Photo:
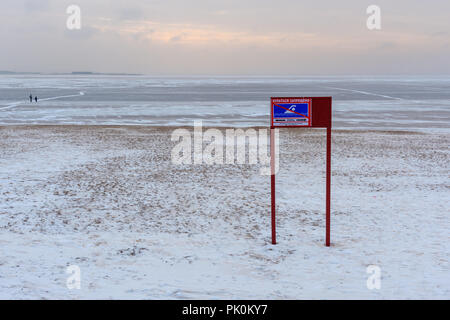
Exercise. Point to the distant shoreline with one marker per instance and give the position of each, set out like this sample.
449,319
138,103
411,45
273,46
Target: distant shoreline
74,73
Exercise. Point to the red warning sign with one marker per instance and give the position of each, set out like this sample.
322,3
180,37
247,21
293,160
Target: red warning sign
295,112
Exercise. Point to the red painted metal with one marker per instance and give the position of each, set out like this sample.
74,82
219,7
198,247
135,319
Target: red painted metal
328,205
321,117
274,223
272,184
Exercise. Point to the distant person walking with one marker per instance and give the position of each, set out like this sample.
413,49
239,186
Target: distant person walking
31,98
35,99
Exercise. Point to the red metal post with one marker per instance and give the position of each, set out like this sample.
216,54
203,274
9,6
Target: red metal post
272,183
328,204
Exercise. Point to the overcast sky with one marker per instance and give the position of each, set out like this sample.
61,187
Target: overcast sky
215,37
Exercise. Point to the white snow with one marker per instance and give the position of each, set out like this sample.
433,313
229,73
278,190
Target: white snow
109,200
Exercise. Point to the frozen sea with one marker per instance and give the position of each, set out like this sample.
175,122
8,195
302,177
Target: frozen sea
401,103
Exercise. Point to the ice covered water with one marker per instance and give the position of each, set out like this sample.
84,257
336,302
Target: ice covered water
359,102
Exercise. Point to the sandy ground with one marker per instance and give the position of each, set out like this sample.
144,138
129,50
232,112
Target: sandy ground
110,201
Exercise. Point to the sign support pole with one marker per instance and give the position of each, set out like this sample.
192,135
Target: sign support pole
272,183
328,204
296,112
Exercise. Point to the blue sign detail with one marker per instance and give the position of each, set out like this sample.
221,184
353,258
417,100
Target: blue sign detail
301,110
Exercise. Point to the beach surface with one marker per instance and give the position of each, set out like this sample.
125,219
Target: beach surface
109,200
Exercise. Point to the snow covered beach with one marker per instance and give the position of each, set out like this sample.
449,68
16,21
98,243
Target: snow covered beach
109,200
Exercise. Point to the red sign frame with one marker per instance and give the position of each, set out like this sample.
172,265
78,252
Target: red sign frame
319,116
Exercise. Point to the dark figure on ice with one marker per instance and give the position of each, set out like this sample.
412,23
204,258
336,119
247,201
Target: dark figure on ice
31,98
35,99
